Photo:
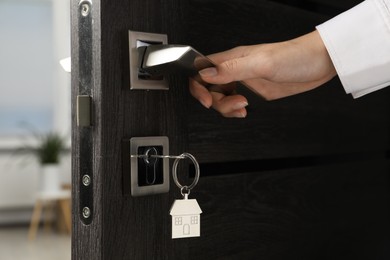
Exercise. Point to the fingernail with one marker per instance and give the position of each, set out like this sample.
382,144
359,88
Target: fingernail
204,103
240,115
209,72
240,105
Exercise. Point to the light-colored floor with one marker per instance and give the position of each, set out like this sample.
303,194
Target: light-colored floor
14,245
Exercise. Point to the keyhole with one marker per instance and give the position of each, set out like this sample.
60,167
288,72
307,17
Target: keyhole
149,159
150,170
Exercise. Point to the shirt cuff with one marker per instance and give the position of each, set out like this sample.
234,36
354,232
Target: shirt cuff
358,42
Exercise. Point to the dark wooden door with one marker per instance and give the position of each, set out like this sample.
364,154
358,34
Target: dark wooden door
304,177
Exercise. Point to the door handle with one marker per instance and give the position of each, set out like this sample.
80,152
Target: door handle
167,59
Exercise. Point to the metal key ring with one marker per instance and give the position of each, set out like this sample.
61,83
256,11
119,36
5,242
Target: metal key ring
197,171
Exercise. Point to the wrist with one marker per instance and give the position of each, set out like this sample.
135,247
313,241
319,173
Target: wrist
315,56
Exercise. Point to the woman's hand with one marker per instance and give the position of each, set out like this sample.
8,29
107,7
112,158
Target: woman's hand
273,71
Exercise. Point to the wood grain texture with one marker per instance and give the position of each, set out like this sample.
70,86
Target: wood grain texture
124,227
334,212
330,212
328,7
302,213
340,4
137,228
323,121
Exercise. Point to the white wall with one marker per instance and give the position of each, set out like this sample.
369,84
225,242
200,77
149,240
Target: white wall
19,184
34,36
20,178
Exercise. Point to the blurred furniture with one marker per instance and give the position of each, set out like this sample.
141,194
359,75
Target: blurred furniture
46,201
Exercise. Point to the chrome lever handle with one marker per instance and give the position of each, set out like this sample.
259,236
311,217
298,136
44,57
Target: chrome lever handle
167,59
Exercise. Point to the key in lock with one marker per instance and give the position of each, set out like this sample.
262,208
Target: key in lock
150,169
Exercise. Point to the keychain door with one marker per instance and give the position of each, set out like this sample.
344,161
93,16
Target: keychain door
300,178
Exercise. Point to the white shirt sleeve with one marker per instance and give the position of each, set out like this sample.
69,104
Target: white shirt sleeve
358,42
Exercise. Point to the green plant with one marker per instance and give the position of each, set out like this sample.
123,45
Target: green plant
49,148
46,148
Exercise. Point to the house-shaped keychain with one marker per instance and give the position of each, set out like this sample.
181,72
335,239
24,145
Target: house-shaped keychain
185,218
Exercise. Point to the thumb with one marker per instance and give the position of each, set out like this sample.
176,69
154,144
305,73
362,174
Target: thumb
231,70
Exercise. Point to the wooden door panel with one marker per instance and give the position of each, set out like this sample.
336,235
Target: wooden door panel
217,25
323,121
125,227
331,212
318,123
344,4
328,7
295,179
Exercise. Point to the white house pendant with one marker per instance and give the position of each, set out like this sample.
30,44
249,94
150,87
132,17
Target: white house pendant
185,218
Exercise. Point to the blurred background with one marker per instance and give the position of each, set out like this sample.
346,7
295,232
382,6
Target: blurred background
34,126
